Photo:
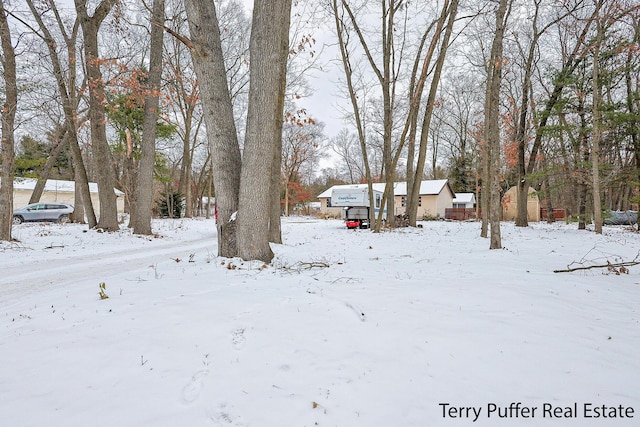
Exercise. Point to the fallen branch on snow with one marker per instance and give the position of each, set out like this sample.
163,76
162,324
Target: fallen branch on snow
52,246
617,268
313,264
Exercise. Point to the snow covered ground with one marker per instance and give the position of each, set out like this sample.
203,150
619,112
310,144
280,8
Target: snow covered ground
415,327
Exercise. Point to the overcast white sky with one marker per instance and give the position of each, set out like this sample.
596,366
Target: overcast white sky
323,104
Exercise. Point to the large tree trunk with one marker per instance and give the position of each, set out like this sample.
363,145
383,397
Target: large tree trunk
206,51
8,122
268,49
108,219
144,197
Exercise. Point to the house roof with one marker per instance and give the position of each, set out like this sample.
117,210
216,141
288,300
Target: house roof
465,198
427,187
54,185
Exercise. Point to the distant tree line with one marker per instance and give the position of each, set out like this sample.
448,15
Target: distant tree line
183,100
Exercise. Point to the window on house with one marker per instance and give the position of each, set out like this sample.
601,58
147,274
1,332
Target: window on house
378,200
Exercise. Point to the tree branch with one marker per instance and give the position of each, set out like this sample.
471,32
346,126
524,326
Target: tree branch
184,40
610,266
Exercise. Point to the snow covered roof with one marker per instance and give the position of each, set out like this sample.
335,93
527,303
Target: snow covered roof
427,187
465,198
54,185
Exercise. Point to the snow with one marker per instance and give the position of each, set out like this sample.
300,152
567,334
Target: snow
344,328
427,187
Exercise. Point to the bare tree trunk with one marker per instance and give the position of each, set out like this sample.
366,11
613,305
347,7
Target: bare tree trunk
581,156
43,176
69,106
426,122
492,122
597,132
79,209
108,219
485,193
209,191
275,211
8,123
411,126
206,51
144,197
269,49
185,176
286,197
82,181
549,205
387,82
348,71
522,193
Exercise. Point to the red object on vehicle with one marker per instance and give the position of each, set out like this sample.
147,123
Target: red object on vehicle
353,223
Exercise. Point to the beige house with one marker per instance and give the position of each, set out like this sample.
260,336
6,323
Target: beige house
57,191
510,205
435,197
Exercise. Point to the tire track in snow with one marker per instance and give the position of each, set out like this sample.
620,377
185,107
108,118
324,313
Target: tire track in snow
24,279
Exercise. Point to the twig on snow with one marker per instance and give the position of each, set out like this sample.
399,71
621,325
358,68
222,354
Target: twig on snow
616,267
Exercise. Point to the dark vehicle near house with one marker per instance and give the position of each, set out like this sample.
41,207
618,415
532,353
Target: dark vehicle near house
56,212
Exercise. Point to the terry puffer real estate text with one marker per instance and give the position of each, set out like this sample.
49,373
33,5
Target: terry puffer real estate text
546,410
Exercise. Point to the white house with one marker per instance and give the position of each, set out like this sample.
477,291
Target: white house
57,191
435,197
464,201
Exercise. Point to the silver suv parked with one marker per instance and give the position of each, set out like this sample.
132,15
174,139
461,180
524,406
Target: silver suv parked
43,212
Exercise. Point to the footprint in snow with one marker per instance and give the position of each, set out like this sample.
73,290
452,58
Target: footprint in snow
237,338
224,417
192,390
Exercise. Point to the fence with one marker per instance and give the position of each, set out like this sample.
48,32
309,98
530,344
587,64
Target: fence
557,214
463,214
460,214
